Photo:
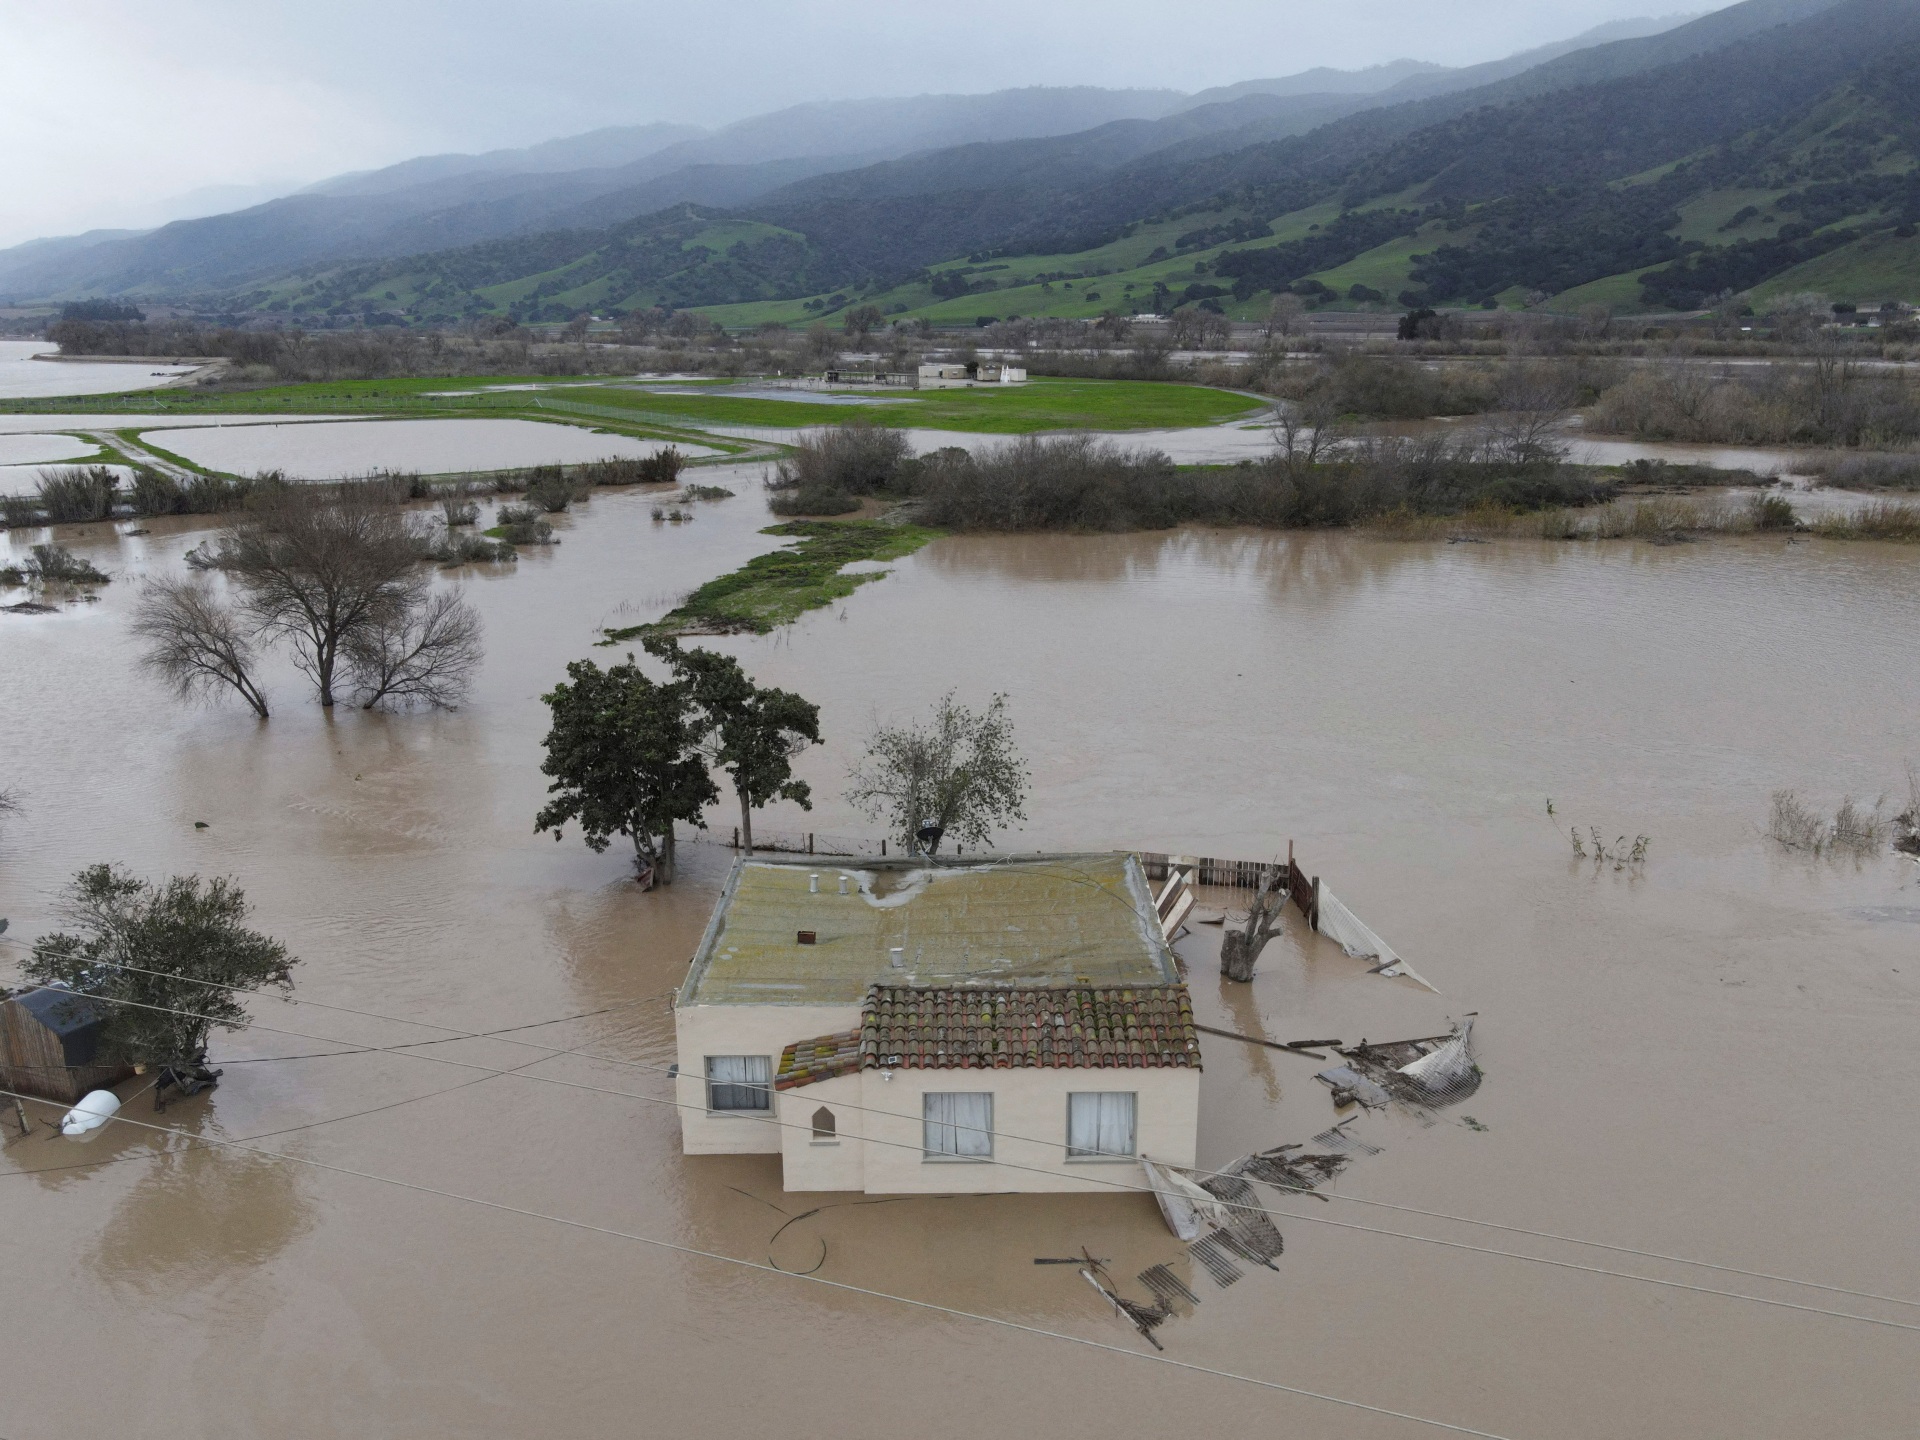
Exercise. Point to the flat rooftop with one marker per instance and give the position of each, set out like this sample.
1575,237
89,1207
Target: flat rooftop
1029,921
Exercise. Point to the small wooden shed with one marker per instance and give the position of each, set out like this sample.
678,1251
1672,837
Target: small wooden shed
48,1040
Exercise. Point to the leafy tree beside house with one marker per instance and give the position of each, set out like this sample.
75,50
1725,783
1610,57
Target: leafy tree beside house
751,732
622,754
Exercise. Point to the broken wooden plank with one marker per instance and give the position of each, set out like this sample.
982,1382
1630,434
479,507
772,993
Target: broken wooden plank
1297,1047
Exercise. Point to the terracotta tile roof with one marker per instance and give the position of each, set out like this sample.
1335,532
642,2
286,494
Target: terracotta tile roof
806,1061
981,1028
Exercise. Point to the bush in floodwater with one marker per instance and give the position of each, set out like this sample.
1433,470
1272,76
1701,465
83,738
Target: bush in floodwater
78,495
1882,520
549,489
1796,825
706,492
1772,512
1869,472
662,468
454,549
522,525
52,563
19,511
458,510
828,472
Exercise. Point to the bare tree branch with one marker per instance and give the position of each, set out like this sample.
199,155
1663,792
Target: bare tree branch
194,643
319,565
423,654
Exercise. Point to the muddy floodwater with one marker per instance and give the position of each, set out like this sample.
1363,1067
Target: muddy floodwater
309,451
1710,1057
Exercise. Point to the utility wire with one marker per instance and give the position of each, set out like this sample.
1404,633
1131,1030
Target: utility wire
454,1034
1110,1184
840,1285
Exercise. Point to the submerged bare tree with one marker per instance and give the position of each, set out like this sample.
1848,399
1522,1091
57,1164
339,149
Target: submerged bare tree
1240,949
955,774
195,643
320,566
418,654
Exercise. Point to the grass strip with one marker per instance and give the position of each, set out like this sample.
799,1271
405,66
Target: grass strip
774,589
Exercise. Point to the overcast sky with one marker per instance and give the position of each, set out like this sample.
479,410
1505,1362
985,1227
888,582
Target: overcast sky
111,110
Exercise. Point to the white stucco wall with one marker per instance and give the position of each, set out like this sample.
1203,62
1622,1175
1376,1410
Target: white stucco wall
810,1164
879,1131
704,1030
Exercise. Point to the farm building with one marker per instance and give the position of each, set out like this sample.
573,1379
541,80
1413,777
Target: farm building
48,1040
952,375
911,1026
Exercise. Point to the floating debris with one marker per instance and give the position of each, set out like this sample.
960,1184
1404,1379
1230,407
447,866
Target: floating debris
1436,1070
1338,1141
1167,1286
1185,1206
1249,1232
1305,1171
1349,1085
1215,1262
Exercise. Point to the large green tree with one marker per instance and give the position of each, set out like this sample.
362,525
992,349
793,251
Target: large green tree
169,959
622,754
750,731
955,774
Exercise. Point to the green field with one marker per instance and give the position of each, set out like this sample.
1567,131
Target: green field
1041,405
773,589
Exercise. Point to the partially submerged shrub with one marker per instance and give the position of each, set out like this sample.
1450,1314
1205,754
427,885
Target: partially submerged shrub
456,509
1869,472
1881,520
1772,512
1854,828
830,470
75,496
549,489
454,549
522,525
51,564
706,492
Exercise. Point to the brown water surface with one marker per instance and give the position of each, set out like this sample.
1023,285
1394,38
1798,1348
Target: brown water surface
1712,1057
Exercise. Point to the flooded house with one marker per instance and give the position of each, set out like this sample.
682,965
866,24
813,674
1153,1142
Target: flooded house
911,1026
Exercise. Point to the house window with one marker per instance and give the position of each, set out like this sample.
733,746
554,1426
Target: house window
739,1082
958,1125
823,1124
1100,1125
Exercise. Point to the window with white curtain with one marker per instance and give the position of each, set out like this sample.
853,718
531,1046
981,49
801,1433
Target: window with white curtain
1100,1125
959,1125
739,1082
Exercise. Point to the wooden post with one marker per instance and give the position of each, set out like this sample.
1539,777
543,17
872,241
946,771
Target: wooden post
20,1114
809,842
736,837
1314,919
883,849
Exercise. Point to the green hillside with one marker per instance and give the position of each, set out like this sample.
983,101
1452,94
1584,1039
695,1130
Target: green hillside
1787,158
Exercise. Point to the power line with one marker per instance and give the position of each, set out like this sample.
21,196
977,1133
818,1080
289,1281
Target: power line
456,1034
812,1279
1111,1184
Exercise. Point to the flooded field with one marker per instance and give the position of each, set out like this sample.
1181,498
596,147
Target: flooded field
308,451
23,378
1704,1058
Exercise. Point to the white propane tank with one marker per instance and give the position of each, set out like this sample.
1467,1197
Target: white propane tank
96,1107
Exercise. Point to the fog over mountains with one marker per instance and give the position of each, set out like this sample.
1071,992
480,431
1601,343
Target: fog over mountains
1669,163
609,175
